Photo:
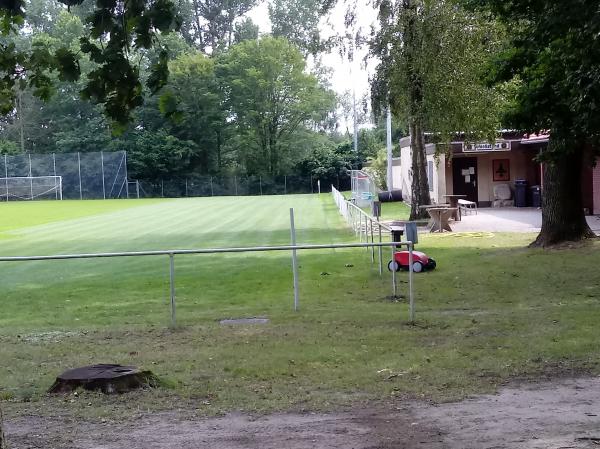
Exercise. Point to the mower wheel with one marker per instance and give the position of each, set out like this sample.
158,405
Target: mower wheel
393,266
417,267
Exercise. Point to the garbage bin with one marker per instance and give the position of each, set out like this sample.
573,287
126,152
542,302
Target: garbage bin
376,209
410,228
393,195
520,193
397,228
536,196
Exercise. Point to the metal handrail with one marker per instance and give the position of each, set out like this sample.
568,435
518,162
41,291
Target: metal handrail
293,248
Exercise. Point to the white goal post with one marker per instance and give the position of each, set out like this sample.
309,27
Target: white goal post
20,188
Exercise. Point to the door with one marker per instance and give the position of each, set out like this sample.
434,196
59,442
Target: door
464,177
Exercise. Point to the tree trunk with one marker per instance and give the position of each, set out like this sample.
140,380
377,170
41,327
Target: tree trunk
419,185
412,44
563,218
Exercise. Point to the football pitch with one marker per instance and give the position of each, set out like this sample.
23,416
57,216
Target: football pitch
133,290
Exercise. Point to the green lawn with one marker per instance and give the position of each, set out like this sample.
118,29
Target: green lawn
492,311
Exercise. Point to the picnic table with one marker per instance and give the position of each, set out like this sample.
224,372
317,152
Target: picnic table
454,204
439,217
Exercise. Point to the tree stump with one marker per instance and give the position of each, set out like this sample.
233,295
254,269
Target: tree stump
104,377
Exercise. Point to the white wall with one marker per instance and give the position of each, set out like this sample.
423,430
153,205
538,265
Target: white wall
439,173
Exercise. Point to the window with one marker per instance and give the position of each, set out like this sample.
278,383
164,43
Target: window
430,175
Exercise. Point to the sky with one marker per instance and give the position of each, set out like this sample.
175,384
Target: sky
346,75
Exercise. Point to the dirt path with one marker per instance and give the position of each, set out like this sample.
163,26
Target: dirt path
560,415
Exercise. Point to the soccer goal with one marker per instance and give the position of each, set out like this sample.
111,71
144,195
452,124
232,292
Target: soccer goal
31,188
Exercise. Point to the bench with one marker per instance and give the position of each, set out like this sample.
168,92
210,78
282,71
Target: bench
466,205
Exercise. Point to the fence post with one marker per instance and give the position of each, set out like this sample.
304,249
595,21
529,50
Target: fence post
162,188
372,241
186,187
394,287
285,184
260,184
294,260
410,283
380,250
102,164
79,170
172,285
211,187
235,185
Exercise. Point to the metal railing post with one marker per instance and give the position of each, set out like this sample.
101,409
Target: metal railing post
380,251
294,247
411,298
372,241
394,285
294,260
172,286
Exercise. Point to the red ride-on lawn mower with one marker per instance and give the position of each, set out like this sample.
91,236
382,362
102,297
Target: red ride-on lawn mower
421,262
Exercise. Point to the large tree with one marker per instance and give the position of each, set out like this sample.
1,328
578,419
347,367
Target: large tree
432,53
270,96
196,102
554,61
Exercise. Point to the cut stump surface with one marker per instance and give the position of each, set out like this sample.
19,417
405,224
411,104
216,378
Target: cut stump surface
107,378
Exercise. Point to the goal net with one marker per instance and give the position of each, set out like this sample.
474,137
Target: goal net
364,190
31,188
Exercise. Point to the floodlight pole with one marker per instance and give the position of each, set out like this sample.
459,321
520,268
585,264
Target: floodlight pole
294,260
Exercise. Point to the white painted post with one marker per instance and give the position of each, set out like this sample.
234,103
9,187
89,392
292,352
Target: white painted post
294,260
319,185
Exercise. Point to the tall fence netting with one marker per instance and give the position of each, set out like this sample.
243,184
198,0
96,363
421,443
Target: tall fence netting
98,175
103,175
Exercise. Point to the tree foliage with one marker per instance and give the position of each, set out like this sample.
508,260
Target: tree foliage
270,96
432,54
114,31
553,61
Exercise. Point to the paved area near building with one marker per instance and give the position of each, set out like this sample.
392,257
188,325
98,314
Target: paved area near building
509,219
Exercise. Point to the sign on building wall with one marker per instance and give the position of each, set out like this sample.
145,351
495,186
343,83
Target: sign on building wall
499,145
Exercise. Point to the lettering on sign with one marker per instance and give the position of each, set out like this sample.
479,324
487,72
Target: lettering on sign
499,145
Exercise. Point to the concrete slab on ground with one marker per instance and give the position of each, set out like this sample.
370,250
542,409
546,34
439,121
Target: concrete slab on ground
509,219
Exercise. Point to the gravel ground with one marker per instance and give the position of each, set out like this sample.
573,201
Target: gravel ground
558,414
